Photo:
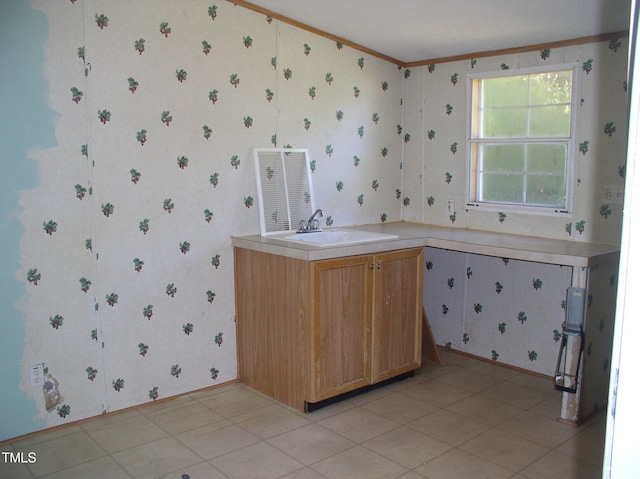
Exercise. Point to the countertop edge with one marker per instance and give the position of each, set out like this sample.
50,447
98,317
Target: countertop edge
411,235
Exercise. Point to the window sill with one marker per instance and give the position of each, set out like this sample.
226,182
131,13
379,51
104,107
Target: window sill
524,210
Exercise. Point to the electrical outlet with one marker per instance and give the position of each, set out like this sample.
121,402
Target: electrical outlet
451,207
36,375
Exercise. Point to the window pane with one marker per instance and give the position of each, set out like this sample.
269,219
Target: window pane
502,158
503,188
505,91
547,158
551,88
550,121
523,173
504,123
546,190
521,131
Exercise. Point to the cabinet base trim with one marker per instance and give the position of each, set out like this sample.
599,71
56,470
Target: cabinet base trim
314,406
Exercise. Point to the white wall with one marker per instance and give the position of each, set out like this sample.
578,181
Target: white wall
620,461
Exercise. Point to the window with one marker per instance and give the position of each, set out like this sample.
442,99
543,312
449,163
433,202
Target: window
520,141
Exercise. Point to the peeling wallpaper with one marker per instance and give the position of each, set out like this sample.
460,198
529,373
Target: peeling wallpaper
23,124
126,256
125,253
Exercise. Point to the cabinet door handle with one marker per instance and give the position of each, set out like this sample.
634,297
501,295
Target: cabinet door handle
374,266
379,266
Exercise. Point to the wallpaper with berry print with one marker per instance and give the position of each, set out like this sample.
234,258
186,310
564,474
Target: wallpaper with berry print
507,310
435,116
512,312
149,117
125,258
345,107
601,300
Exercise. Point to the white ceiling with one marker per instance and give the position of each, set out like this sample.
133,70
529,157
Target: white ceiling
416,30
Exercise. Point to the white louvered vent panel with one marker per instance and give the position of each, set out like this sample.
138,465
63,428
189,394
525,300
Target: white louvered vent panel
285,192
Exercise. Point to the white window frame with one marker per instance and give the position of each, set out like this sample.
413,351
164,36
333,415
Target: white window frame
473,183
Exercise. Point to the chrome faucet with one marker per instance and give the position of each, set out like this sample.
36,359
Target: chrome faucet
312,224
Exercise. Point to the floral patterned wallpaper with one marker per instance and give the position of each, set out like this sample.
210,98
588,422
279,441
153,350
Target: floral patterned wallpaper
512,312
506,310
126,257
435,159
499,309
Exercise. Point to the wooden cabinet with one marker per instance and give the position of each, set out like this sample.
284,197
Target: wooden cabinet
312,330
397,315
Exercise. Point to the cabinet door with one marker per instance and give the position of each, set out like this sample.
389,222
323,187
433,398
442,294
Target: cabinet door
397,313
341,326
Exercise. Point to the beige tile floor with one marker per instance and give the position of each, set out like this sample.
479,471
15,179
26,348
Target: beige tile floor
464,420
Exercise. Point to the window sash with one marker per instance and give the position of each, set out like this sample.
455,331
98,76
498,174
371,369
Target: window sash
537,183
525,182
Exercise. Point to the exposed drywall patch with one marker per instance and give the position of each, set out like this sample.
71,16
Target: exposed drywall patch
52,396
26,122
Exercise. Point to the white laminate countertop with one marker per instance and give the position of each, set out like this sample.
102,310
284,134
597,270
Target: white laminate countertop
411,235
